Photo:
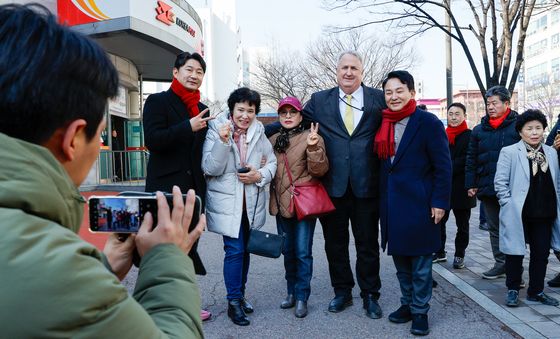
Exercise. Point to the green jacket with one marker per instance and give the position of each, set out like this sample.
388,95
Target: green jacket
55,285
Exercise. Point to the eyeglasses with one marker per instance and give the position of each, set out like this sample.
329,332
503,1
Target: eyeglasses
292,112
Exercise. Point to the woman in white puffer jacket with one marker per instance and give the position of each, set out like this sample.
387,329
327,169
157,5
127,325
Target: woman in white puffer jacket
238,162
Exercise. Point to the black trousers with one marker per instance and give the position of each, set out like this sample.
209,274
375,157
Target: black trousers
462,217
364,216
537,235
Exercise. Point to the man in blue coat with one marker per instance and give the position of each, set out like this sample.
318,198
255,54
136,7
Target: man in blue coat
415,178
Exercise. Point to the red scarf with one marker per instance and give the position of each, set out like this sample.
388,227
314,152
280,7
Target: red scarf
496,122
384,142
453,132
189,98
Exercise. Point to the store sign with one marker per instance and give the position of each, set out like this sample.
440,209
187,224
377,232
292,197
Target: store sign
165,15
76,12
173,19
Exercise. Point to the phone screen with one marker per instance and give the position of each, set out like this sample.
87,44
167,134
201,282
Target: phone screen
118,214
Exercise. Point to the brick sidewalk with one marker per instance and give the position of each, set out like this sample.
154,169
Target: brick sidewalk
545,320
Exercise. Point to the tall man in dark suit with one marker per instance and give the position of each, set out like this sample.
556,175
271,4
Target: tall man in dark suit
348,116
175,125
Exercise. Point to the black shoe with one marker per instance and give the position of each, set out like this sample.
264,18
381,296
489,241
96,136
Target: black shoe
340,302
236,314
554,282
512,298
289,302
420,324
458,263
543,299
301,309
495,273
373,310
439,257
246,306
434,283
401,316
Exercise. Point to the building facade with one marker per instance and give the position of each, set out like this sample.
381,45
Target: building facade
539,82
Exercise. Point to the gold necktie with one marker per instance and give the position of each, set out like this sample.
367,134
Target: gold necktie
349,115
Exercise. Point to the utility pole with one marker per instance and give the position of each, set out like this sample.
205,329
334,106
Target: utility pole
448,54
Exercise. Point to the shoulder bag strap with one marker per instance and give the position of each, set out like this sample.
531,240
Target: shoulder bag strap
288,169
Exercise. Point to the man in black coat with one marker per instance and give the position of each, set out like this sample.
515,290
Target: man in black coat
495,131
175,125
349,116
458,135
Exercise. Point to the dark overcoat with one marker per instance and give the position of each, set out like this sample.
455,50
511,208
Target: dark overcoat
418,179
175,150
483,152
459,196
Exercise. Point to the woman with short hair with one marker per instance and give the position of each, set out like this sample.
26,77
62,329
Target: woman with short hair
527,186
233,151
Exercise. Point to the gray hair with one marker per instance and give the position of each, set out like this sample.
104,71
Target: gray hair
500,91
350,52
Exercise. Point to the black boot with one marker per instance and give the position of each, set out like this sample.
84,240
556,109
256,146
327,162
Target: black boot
247,306
301,309
289,302
236,314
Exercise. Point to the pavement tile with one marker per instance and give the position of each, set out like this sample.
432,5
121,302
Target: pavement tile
526,314
556,319
546,328
546,310
486,285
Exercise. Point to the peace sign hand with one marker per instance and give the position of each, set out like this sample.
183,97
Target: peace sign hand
198,122
313,137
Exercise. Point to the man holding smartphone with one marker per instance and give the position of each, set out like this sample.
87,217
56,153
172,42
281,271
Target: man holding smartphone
53,93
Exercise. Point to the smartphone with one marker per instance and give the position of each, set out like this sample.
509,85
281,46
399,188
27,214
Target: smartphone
124,214
244,170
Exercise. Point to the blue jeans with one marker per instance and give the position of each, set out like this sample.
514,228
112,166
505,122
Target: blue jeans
236,261
415,279
298,260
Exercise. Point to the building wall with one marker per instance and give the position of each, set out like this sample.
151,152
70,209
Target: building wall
222,51
540,81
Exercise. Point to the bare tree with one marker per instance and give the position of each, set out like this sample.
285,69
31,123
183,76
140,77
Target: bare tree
278,76
543,97
379,58
215,106
500,27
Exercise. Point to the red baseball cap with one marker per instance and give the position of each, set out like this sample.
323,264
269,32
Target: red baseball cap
294,102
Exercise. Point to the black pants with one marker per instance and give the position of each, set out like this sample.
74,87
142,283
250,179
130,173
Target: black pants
462,217
537,235
364,216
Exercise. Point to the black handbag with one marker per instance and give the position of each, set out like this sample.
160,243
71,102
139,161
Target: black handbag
265,244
